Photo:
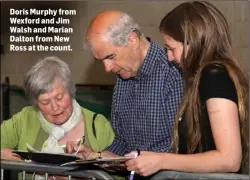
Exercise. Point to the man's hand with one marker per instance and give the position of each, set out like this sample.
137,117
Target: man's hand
6,154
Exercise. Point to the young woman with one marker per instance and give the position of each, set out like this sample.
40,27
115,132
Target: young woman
211,129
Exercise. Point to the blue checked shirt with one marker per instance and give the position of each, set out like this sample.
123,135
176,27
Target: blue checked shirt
144,108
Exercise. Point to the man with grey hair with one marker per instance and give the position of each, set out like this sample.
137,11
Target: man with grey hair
148,87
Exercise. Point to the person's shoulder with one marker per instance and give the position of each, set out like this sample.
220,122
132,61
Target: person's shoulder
173,70
98,119
28,110
87,112
214,66
215,75
214,69
90,114
26,114
215,81
157,49
165,63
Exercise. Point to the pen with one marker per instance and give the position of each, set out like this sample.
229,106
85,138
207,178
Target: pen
132,173
79,141
79,144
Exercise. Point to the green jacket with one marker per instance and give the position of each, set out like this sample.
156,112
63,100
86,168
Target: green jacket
24,127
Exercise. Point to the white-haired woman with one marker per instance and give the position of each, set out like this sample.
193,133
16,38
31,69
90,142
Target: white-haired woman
55,118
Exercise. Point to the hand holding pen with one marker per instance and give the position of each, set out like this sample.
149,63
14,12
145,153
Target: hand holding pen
73,147
147,163
80,149
80,144
132,173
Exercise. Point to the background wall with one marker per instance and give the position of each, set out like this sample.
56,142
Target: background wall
147,13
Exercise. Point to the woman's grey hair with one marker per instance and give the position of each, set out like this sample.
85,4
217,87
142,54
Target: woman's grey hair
118,33
41,77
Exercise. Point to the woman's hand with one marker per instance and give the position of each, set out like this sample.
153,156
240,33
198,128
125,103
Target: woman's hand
80,150
6,154
145,164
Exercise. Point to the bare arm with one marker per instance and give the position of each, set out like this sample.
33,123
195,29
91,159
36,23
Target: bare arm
223,116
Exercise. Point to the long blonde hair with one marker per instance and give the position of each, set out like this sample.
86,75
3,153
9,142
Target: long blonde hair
202,27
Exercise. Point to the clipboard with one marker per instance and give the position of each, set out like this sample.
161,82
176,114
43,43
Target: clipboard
43,157
108,161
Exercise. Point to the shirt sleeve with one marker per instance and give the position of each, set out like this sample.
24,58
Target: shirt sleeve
215,82
118,146
10,131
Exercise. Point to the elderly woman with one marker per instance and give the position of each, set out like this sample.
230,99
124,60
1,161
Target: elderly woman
55,118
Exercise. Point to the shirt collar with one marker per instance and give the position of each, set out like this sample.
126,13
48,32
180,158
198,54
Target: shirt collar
149,60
